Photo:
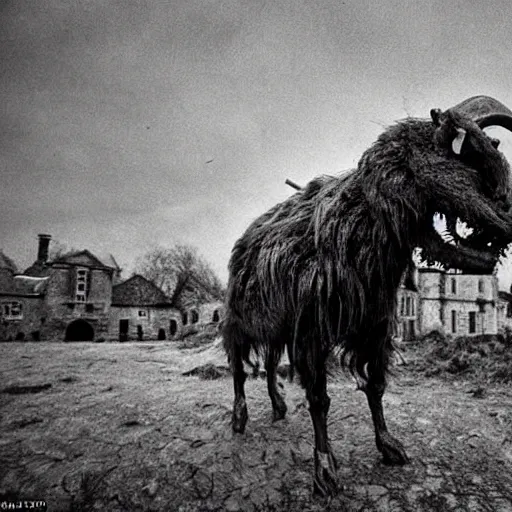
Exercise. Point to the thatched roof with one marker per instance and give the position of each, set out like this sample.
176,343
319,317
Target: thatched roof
138,291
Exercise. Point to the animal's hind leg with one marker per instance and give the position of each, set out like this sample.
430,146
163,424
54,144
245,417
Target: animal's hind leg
325,482
391,449
239,418
278,404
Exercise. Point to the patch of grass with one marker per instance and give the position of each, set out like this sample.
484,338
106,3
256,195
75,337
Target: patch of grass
483,358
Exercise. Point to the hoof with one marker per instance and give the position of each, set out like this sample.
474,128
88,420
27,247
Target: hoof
239,418
325,482
392,451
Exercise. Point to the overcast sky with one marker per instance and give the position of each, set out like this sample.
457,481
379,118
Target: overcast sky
128,124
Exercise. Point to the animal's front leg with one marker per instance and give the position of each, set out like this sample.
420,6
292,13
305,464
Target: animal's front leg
391,449
325,482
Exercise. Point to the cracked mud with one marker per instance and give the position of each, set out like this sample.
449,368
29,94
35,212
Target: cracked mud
115,431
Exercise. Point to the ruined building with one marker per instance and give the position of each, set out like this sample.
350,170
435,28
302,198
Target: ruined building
78,297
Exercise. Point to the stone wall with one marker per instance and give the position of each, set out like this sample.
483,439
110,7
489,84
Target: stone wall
62,309
203,316
150,319
29,326
448,295
407,313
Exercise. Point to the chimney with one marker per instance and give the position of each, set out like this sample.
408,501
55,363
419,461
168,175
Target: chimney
42,250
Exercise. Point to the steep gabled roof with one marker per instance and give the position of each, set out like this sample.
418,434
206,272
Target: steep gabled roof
6,262
138,291
87,258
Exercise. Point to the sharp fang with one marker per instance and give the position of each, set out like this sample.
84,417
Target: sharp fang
462,229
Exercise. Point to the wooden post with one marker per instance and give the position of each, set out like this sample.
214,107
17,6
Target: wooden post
293,184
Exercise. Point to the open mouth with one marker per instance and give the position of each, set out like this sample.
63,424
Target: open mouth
462,240
476,249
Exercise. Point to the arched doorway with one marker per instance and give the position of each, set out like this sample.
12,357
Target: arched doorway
79,330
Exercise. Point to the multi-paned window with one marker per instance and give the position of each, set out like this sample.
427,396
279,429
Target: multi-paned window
81,284
12,310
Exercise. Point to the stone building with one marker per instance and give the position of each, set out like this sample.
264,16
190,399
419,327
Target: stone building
203,314
77,297
451,302
458,304
141,311
68,298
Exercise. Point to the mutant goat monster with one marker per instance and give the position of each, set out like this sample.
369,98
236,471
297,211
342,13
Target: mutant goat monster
319,272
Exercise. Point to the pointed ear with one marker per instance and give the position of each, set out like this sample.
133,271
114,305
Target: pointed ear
435,114
458,141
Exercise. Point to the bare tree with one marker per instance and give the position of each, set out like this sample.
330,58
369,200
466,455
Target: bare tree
181,273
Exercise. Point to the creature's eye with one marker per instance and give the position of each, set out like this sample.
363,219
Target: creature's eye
458,141
495,143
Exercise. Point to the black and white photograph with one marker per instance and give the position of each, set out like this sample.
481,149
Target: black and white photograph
255,256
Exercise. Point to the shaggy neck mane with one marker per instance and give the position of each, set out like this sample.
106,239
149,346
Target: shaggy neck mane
365,233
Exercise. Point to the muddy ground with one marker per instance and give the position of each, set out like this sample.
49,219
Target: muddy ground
117,427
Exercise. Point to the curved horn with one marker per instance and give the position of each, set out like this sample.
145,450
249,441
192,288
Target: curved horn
485,111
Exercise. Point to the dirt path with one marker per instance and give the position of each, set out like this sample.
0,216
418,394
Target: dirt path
117,427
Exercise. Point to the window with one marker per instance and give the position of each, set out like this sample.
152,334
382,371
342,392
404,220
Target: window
402,306
408,306
215,317
81,284
413,307
185,318
142,313
12,310
441,315
454,286
480,286
454,321
509,310
472,321
194,316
